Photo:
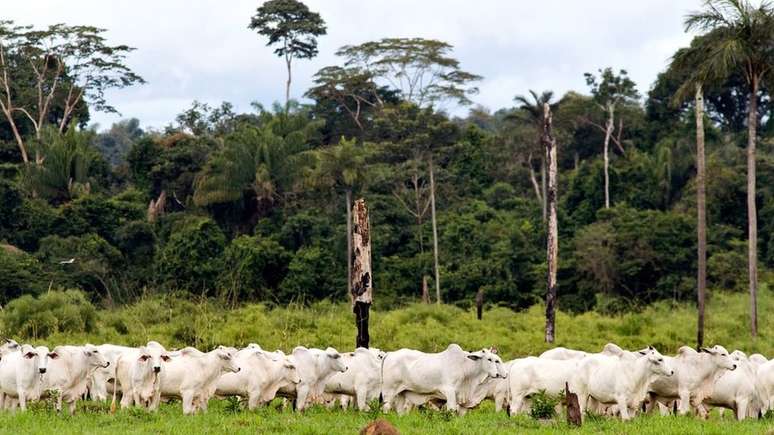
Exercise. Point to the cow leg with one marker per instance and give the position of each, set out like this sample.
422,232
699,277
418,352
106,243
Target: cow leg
188,399
302,394
22,400
623,408
71,406
741,409
516,404
451,399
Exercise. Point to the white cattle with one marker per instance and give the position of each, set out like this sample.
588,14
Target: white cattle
262,374
695,374
9,345
137,376
619,381
363,377
69,370
737,390
20,375
496,389
757,360
411,377
315,367
192,375
530,375
99,381
562,353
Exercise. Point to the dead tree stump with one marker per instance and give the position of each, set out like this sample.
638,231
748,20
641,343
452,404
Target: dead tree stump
361,277
573,407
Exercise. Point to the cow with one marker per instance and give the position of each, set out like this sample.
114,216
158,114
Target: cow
562,353
9,345
527,376
69,370
314,367
757,360
765,381
496,389
737,390
191,375
101,378
362,380
695,374
262,374
412,377
620,381
20,375
137,376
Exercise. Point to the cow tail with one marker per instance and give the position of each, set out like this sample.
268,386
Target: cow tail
381,379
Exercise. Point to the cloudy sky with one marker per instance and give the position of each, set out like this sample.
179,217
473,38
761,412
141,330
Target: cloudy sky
202,49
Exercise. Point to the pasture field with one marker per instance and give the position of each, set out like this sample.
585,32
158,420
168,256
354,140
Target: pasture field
223,419
178,322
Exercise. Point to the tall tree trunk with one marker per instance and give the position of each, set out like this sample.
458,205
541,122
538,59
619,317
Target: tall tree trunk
287,86
752,213
435,231
608,134
701,224
552,242
349,241
480,303
533,179
361,277
544,188
425,291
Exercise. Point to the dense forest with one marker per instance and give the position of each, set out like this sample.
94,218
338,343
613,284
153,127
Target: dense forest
253,207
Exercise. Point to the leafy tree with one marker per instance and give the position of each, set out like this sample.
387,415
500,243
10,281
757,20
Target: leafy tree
741,41
291,24
22,274
609,92
65,65
253,268
421,70
60,311
311,276
116,142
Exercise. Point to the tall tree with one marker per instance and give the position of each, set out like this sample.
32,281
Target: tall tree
743,36
532,112
552,240
59,67
342,168
294,27
421,70
610,91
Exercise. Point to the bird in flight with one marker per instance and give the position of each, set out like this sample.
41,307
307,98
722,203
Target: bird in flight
70,261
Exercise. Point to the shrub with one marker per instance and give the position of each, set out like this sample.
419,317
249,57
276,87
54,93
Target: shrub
66,311
543,405
727,270
311,276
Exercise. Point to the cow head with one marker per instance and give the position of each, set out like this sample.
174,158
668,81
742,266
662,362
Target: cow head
226,357
334,360
43,357
32,358
152,358
489,362
719,355
656,362
94,357
290,372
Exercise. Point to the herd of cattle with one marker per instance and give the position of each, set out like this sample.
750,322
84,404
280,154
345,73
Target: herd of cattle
612,382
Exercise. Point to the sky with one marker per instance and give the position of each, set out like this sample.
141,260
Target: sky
202,49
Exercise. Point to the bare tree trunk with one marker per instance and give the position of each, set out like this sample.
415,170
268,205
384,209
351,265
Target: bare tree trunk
480,303
608,133
361,277
349,241
435,232
425,291
552,243
287,85
701,224
544,188
752,213
533,179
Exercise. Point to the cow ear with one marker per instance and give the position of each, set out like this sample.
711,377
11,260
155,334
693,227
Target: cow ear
53,355
165,357
651,347
144,357
474,357
29,355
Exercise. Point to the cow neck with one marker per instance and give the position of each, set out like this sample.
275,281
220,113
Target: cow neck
642,376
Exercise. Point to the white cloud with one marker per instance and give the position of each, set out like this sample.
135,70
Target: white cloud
202,49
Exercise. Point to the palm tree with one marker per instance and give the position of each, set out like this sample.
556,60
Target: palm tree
342,168
742,38
531,111
256,165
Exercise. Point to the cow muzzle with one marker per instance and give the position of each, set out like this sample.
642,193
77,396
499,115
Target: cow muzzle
156,369
42,370
733,367
107,364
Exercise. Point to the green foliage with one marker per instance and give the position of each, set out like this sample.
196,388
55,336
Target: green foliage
191,258
543,405
291,24
311,276
21,272
253,267
64,312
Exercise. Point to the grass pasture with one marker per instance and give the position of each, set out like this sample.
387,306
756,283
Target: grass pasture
430,328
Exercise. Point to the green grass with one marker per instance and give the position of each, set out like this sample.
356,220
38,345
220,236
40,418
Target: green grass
177,322
96,419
